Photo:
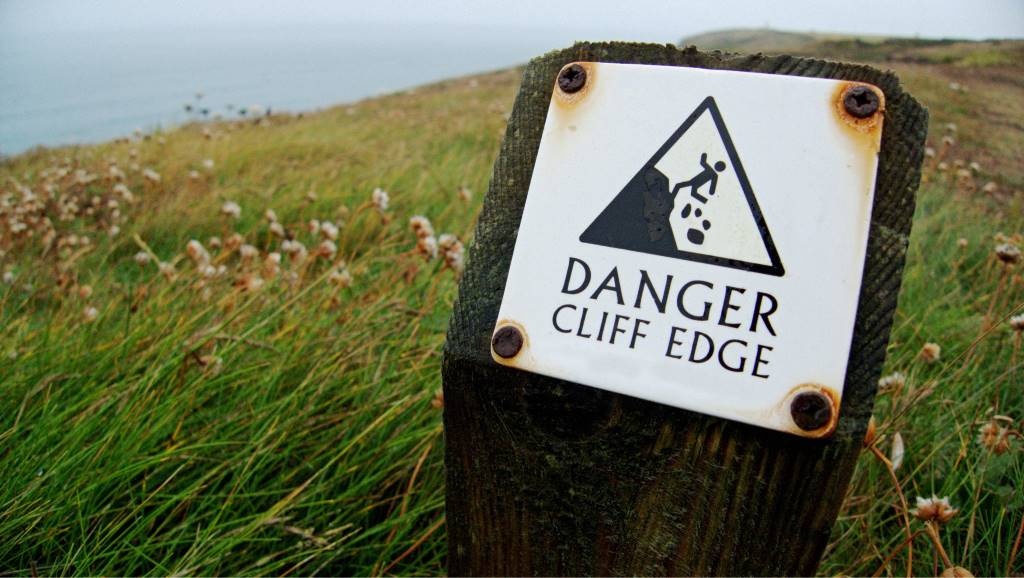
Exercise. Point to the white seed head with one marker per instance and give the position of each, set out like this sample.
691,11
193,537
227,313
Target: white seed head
231,209
142,258
380,199
933,509
329,230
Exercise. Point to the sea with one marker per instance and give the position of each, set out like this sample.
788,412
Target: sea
73,86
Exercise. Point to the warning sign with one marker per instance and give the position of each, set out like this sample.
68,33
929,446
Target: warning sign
691,200
682,245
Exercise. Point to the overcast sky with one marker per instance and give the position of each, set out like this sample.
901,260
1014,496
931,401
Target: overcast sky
652,20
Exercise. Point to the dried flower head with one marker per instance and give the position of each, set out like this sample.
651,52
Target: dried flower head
9,277
277,229
249,282
427,246
214,242
380,199
465,194
231,209
340,277
151,176
994,437
314,227
208,164
327,249
248,252
270,215
90,314
1017,323
1008,253
929,152
956,572
990,187
942,166
329,230
892,383
85,291
142,258
234,241
948,140
897,451
930,352
452,250
421,226
197,252
167,270
961,243
934,509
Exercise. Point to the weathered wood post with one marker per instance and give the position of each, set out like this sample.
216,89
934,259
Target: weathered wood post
550,477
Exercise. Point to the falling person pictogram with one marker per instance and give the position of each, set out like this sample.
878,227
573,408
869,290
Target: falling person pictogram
709,176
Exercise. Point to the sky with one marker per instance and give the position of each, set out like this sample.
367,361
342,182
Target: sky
657,21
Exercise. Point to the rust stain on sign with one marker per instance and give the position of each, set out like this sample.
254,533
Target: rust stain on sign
867,128
566,99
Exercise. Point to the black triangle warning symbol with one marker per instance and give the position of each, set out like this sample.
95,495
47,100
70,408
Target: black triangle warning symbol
691,201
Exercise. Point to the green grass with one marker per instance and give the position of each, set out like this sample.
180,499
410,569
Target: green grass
196,427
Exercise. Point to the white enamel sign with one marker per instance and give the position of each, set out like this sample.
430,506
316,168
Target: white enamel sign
695,238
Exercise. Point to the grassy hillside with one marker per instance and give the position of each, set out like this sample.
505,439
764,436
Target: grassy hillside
267,402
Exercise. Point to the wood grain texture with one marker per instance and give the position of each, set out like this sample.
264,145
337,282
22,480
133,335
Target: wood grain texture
548,477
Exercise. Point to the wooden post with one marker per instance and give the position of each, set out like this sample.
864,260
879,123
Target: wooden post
548,477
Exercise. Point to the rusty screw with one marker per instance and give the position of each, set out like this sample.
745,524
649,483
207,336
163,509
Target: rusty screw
572,78
860,101
507,341
811,410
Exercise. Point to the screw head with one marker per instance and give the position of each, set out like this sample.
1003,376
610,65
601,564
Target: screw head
507,341
860,101
572,78
811,410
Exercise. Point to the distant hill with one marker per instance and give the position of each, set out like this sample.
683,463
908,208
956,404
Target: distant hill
862,48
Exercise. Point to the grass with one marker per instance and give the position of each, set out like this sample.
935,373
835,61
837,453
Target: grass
288,422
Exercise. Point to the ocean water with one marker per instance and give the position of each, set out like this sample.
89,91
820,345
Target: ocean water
81,86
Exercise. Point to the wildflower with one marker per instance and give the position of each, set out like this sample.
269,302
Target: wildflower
90,314
421,226
961,242
329,230
892,383
929,152
167,270
142,258
115,173
197,252
974,166
427,246
85,291
380,199
214,242
994,437
327,249
452,250
465,194
249,282
990,187
963,174
113,231
942,166
234,241
122,191
208,164
9,277
209,271
231,209
948,141
950,127
271,265
270,216
277,229
151,175
934,509
340,277
248,252
314,227
1008,253
1017,323
930,352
